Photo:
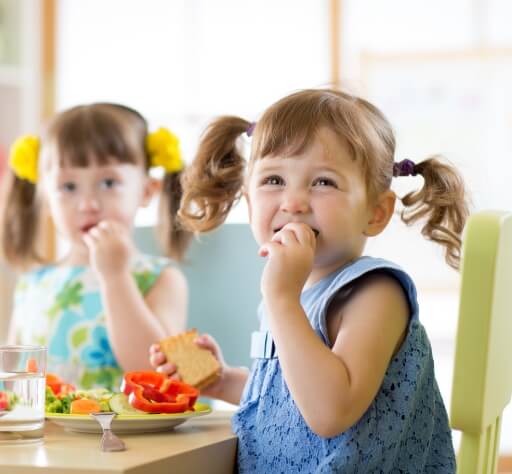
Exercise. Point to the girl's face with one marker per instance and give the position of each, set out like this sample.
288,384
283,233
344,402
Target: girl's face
80,197
322,187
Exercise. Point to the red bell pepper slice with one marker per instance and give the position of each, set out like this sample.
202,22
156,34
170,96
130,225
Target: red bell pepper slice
150,379
154,392
175,388
137,400
4,401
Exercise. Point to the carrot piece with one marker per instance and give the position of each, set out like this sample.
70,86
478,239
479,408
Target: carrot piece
32,365
52,379
84,406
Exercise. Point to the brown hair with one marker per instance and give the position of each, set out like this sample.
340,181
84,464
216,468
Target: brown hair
102,132
213,183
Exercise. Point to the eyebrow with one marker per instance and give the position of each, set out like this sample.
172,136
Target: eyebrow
271,167
101,170
108,170
330,169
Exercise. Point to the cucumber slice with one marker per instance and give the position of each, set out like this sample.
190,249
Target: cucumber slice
120,404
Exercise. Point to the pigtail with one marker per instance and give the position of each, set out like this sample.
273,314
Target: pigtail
442,201
172,236
19,218
213,182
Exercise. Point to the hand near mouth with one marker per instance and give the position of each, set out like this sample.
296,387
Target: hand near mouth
110,248
290,255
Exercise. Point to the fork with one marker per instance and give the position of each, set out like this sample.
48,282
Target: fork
109,441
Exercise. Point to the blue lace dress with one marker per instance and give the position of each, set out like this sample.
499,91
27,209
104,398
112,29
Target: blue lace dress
61,308
405,429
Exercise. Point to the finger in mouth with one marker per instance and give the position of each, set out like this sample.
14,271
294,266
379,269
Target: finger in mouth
315,231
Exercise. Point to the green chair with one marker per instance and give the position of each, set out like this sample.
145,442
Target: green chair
482,379
223,271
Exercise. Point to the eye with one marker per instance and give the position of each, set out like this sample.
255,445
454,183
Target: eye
273,180
325,182
68,187
108,183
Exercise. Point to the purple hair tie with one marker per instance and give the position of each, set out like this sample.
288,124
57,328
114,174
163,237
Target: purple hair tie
250,129
404,168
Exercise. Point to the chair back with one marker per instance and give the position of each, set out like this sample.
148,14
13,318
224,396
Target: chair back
482,379
223,272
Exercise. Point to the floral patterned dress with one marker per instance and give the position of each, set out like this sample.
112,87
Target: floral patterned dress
61,308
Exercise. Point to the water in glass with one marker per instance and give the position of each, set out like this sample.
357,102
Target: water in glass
22,393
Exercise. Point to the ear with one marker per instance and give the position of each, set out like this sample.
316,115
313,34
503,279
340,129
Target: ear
380,213
153,186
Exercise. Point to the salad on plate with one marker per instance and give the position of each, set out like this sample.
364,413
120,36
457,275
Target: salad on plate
142,393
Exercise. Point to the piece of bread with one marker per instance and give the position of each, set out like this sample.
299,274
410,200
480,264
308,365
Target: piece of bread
195,365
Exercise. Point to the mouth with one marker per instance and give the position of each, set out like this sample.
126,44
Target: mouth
315,231
87,227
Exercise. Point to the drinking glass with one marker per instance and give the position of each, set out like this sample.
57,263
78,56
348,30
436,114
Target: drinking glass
22,393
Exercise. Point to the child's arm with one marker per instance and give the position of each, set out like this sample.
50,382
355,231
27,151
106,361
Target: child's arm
133,323
332,387
168,300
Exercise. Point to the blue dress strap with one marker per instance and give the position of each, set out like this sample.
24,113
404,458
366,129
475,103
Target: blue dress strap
262,345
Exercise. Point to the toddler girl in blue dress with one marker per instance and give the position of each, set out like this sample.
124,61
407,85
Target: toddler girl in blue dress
102,303
343,378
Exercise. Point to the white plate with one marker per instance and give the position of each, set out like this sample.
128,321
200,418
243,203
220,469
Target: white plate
128,423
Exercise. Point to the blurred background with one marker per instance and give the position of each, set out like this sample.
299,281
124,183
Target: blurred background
441,72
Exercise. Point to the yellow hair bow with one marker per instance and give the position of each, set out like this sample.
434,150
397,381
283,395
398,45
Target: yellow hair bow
164,150
23,158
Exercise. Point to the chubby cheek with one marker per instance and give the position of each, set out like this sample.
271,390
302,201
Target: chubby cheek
64,223
120,210
253,217
124,216
260,219
258,229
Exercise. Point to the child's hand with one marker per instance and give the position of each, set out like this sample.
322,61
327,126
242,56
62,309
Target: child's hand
290,255
159,362
110,248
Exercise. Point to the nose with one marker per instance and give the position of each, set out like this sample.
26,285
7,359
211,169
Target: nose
89,203
295,202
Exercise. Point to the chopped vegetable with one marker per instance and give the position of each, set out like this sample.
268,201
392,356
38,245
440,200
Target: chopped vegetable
8,400
120,404
154,392
95,393
84,406
58,405
61,395
32,365
4,402
144,392
58,386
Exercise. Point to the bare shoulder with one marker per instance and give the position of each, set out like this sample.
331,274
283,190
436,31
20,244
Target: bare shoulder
172,277
377,299
170,286
380,284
